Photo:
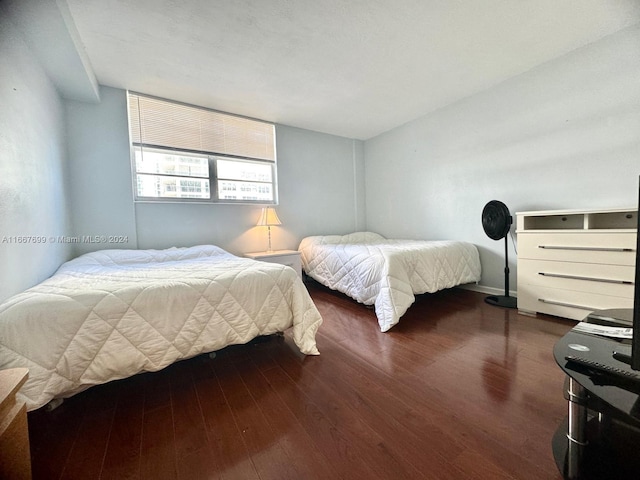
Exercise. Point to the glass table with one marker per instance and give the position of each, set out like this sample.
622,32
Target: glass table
600,438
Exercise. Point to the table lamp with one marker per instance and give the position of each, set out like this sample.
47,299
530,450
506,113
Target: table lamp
267,218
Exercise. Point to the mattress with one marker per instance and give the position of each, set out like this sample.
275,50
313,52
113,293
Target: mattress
114,313
388,273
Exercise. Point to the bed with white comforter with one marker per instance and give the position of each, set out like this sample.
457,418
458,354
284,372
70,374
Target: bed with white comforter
114,313
388,273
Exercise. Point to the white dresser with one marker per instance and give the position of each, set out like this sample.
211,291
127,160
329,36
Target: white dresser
571,262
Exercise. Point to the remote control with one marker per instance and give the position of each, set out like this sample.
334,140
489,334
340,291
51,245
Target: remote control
619,372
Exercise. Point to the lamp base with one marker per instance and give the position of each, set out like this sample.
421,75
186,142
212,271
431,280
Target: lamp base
269,249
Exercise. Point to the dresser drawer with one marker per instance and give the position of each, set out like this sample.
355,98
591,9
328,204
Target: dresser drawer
290,258
292,261
588,247
616,280
566,303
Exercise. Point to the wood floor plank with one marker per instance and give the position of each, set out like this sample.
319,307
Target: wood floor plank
331,442
157,390
158,451
227,448
192,450
267,453
122,457
87,454
51,436
298,444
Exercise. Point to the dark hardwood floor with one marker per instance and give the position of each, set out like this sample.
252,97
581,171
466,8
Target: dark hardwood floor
457,390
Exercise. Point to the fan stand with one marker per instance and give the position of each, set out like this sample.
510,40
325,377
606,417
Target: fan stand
504,300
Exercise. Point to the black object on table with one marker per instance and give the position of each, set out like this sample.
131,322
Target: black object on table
600,437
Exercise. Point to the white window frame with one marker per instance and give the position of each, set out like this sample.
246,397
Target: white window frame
213,158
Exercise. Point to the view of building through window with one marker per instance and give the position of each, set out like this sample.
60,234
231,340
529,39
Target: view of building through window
244,180
157,169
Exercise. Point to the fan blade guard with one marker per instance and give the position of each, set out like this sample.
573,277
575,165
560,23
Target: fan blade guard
496,220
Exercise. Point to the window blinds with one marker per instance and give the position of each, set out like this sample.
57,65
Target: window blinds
154,122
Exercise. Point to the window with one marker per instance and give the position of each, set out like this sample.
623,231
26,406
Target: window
186,153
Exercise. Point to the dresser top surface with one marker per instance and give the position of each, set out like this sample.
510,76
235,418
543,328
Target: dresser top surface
542,213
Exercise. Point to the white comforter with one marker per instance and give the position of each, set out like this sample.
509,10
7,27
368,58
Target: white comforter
387,273
111,314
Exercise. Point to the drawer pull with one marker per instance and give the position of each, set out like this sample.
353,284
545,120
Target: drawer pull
587,249
589,279
563,304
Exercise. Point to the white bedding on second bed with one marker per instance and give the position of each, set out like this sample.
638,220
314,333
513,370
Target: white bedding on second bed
114,313
387,273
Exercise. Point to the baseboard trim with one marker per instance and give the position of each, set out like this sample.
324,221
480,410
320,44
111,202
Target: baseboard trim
488,290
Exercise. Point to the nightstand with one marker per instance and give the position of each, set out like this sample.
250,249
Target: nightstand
290,258
15,459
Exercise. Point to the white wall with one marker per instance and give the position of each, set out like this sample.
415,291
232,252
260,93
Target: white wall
100,188
320,180
32,168
563,135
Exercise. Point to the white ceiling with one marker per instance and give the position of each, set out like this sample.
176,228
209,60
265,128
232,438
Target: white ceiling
354,68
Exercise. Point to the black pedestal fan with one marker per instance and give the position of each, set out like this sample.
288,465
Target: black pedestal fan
496,221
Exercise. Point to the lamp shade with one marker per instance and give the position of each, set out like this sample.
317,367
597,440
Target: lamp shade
268,217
